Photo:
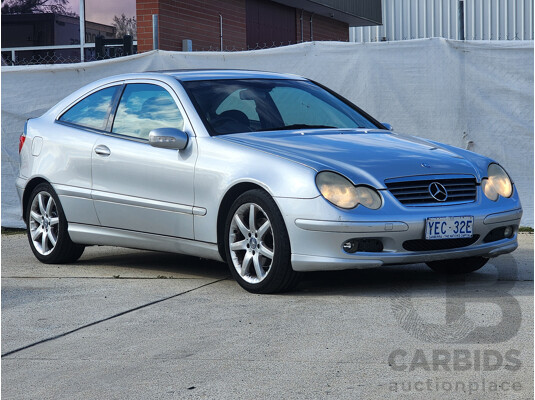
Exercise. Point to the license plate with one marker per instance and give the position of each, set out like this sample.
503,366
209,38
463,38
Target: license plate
449,227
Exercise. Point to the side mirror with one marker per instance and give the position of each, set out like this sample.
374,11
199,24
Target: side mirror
168,138
387,126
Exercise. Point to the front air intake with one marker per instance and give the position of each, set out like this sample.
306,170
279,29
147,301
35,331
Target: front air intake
439,244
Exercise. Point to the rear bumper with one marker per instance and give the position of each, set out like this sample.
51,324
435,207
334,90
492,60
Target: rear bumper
20,184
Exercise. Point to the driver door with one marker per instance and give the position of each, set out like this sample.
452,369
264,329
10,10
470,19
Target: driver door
138,187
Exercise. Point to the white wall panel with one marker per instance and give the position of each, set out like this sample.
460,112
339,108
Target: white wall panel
483,20
474,95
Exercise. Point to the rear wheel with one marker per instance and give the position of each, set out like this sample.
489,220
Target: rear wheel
458,266
257,245
47,228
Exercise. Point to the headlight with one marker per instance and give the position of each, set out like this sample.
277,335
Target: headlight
497,183
368,197
342,193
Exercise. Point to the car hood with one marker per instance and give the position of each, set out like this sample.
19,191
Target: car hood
364,156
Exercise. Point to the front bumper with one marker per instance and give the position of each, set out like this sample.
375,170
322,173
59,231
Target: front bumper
317,244
301,262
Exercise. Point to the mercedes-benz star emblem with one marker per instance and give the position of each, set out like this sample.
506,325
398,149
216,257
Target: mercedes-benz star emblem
438,191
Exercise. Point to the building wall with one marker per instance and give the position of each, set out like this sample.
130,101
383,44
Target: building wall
20,30
483,20
269,24
144,11
198,20
323,28
93,29
28,30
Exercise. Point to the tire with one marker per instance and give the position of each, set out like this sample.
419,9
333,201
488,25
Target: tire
47,228
258,256
458,266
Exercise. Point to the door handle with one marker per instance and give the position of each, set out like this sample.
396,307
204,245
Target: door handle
102,150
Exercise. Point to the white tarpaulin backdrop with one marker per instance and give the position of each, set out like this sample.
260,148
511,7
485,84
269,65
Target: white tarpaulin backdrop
474,94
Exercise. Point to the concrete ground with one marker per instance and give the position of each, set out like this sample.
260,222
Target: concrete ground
128,324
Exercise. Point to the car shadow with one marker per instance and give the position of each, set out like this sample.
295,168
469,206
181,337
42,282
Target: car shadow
498,277
375,281
168,265
365,282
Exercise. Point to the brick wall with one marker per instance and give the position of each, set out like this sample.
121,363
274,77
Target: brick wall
198,20
144,11
323,28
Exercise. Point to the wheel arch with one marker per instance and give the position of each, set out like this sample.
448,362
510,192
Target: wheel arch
230,196
32,184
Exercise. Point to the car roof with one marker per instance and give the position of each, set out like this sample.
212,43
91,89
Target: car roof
213,74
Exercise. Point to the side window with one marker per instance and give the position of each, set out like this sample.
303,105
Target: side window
144,107
91,112
234,102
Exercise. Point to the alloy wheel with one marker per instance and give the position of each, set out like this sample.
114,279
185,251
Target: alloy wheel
44,223
251,241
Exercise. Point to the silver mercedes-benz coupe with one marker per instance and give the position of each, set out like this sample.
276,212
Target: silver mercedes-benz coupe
273,173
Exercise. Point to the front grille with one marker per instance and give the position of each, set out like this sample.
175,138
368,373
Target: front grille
416,192
439,244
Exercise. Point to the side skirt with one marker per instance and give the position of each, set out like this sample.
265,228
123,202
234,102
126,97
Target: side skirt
98,235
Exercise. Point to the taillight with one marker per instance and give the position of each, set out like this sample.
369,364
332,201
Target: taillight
22,137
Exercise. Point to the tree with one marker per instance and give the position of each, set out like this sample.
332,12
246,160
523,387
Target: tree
36,6
124,26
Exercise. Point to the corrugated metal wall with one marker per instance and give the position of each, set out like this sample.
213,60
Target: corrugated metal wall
483,19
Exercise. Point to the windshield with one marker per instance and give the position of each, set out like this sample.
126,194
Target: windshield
252,105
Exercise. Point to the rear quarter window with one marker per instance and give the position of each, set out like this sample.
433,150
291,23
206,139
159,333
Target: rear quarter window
92,111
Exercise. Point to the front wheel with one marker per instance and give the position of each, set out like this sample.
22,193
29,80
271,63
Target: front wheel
47,228
257,245
458,266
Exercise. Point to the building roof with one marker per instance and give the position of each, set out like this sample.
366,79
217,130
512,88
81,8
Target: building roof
353,12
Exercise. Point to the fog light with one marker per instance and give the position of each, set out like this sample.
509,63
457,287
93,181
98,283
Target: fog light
508,232
350,246
364,245
504,232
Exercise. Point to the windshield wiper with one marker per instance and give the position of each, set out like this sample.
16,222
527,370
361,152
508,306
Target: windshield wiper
299,126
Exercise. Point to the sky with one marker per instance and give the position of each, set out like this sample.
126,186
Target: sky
103,10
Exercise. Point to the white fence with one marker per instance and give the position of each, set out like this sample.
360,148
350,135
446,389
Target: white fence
483,20
476,95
